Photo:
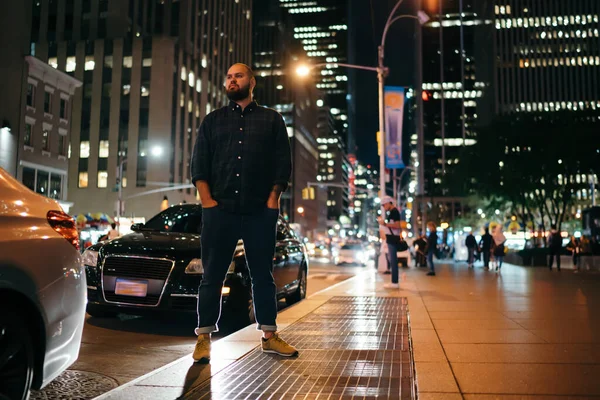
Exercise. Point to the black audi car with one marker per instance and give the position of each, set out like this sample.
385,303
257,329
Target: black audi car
158,268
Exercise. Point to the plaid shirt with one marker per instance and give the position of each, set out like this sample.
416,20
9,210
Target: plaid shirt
242,155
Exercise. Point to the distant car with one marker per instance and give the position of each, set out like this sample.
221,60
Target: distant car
319,250
352,253
42,290
158,268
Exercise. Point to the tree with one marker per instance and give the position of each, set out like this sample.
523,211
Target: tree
535,162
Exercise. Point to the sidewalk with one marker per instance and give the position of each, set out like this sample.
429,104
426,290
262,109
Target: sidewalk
476,334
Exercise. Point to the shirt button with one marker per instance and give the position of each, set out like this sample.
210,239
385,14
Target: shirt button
240,142
237,174
239,157
236,192
241,129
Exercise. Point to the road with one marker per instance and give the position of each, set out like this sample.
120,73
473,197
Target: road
115,351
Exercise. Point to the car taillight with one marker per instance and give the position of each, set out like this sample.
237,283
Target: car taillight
65,225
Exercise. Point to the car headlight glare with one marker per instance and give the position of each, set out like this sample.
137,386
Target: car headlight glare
194,267
90,258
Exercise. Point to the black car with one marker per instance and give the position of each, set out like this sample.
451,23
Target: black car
158,268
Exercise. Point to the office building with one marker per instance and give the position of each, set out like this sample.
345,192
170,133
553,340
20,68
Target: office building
151,70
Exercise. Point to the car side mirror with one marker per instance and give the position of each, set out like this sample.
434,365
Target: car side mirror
137,227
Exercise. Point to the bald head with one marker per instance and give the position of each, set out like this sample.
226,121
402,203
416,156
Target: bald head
239,82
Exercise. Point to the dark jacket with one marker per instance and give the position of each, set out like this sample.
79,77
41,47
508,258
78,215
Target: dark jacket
470,242
486,242
555,241
431,242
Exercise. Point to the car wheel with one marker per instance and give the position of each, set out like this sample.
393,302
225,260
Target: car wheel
300,292
100,313
16,357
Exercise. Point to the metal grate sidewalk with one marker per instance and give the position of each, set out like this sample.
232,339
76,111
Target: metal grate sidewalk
350,348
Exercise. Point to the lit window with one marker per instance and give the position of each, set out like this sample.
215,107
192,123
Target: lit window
207,109
204,62
89,63
191,78
145,91
147,62
198,85
84,149
53,62
45,141
71,64
28,130
183,73
102,179
103,149
127,62
83,180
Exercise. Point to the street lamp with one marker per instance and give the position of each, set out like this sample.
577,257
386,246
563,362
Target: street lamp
303,70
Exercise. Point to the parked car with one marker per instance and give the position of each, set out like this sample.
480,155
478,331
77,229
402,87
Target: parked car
352,253
42,290
158,268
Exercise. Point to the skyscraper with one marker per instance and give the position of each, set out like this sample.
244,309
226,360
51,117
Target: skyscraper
151,70
547,55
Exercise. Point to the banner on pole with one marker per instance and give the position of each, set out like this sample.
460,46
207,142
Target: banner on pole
394,117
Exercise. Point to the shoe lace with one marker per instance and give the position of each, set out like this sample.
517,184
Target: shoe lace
202,343
277,339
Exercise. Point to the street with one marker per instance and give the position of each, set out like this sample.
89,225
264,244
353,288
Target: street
115,351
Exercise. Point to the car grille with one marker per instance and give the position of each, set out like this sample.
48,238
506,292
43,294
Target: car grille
149,300
138,268
133,267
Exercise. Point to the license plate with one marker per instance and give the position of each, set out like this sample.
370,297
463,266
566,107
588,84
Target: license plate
128,287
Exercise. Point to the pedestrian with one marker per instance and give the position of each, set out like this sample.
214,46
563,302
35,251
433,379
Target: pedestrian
498,245
113,233
471,244
431,246
574,247
554,247
392,225
485,247
241,164
420,245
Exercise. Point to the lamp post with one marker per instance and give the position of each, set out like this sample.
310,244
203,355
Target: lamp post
381,74
156,151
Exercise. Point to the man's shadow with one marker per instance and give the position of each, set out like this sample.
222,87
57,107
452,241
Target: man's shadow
198,376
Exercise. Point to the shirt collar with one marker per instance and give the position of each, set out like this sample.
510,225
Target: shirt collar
235,106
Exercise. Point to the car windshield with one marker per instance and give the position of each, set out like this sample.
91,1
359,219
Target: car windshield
352,246
177,219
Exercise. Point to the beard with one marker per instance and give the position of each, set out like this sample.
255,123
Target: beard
238,93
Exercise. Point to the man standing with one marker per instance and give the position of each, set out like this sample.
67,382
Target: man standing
485,246
241,164
431,246
554,245
391,226
471,244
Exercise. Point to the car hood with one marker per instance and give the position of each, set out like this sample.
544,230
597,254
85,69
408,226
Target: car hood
164,244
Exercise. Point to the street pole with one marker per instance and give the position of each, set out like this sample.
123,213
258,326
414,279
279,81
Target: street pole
420,133
380,79
120,189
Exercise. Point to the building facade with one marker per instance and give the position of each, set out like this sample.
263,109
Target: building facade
322,28
44,142
151,70
547,55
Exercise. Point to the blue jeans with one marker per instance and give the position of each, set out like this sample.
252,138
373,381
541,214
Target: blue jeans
392,257
499,260
430,262
220,233
471,258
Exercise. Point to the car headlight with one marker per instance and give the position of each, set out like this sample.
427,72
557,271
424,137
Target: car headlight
90,258
194,267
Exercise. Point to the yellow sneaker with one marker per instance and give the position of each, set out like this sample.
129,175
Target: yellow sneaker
202,350
277,345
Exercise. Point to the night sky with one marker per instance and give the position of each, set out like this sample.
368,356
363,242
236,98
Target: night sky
367,18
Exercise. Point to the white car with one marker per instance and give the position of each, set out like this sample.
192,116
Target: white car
352,253
42,290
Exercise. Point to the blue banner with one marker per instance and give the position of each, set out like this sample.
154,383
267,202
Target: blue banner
394,116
